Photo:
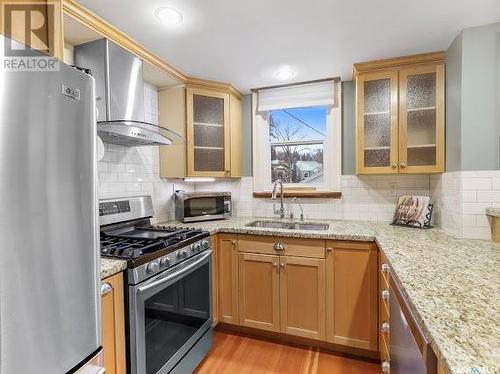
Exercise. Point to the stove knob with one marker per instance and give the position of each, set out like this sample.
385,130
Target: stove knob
164,262
152,268
197,247
182,254
204,244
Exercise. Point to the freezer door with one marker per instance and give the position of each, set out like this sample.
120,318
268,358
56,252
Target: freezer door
49,278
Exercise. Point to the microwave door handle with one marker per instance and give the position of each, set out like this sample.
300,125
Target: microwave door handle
176,274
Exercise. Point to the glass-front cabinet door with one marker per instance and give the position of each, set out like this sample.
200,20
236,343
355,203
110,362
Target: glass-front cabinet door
377,123
208,152
421,119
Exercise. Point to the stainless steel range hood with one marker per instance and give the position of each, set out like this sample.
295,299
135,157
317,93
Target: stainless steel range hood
120,95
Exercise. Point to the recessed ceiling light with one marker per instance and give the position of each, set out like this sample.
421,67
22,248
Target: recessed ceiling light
285,74
169,16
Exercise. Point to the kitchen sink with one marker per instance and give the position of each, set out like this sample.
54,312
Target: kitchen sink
289,225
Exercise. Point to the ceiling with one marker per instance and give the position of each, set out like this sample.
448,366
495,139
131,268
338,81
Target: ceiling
246,42
75,33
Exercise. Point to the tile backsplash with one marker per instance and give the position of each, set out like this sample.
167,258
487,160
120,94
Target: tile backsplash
371,198
462,197
134,171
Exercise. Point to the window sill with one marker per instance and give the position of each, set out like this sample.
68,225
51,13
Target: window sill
302,194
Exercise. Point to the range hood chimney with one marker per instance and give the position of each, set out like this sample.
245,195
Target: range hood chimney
119,93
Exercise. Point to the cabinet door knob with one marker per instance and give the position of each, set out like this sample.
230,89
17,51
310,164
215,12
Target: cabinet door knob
385,327
385,268
385,294
279,246
282,266
403,165
329,249
106,288
394,165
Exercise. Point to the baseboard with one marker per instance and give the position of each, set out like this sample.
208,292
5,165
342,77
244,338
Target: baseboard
370,356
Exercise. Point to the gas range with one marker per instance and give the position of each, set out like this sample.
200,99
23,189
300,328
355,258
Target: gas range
168,296
148,249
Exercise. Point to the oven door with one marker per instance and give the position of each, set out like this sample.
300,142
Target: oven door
169,313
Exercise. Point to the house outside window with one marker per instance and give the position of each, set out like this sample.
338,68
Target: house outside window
297,136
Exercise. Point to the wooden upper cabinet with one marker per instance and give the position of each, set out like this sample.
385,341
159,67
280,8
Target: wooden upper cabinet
421,119
352,294
213,122
113,325
227,247
172,114
302,296
400,115
377,123
259,291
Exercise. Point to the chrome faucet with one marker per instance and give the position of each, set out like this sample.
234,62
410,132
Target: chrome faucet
273,196
300,206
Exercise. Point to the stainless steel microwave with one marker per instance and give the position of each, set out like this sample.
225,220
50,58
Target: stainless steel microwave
202,206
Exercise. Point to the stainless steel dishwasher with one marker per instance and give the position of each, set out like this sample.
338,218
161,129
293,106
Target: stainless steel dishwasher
410,352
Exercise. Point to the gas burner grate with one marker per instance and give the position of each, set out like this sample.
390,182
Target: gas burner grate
119,246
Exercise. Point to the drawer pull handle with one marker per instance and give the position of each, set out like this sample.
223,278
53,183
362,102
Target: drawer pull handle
386,367
279,246
386,327
106,288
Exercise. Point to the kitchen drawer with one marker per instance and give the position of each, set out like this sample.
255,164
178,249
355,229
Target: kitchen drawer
384,270
276,245
384,349
384,303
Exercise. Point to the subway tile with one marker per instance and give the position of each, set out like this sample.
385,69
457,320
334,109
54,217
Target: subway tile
476,184
488,196
469,196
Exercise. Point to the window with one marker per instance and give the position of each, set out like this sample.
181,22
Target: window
297,137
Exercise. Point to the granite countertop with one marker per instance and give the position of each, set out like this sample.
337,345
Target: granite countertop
111,267
493,212
452,285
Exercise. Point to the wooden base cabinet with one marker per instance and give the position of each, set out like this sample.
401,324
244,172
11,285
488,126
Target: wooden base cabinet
227,247
259,302
352,294
302,297
215,280
113,325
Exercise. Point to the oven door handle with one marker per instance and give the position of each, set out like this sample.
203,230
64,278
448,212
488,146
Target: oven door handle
176,274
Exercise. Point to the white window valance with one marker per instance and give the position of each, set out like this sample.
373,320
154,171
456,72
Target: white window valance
298,96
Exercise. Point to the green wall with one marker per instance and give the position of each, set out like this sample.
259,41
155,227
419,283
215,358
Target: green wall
473,100
453,105
246,108
348,128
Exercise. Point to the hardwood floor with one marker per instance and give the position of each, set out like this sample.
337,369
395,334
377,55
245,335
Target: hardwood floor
237,354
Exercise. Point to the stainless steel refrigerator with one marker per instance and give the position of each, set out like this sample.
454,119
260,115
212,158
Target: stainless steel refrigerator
49,259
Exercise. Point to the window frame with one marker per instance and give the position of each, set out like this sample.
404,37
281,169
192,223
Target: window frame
332,149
